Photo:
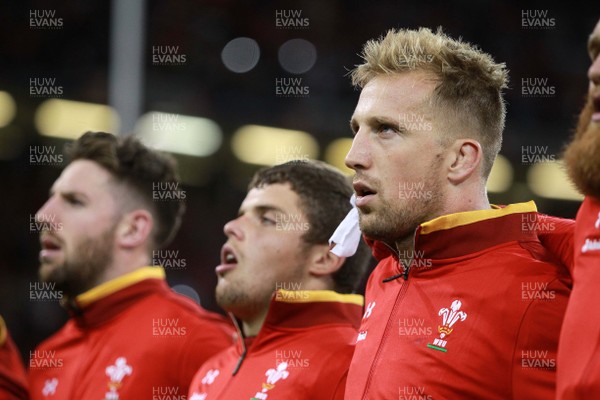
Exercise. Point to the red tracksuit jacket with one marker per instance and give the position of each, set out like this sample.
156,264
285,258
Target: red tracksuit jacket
302,352
134,339
579,349
13,380
477,317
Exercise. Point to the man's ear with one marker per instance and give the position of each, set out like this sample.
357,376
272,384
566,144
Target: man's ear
324,262
465,157
134,229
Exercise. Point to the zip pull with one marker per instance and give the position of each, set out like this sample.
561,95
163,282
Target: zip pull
403,274
391,278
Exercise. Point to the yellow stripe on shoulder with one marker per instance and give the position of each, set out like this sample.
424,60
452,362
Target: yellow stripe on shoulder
310,296
119,283
468,217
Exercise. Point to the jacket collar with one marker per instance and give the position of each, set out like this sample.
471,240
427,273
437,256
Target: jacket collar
463,233
297,309
103,302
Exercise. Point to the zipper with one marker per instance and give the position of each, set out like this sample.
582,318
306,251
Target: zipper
386,332
242,343
405,268
240,359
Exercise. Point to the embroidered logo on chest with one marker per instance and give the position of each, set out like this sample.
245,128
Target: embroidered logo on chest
450,316
50,387
273,376
116,373
208,380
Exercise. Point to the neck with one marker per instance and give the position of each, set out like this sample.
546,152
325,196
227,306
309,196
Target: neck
252,326
405,245
123,265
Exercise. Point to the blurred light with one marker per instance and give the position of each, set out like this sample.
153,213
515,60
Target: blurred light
179,134
265,145
297,56
550,180
336,154
241,54
8,108
501,176
187,291
70,119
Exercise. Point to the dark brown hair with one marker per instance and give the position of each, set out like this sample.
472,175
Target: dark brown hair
137,168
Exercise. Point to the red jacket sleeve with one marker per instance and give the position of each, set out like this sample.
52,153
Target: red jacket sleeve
13,379
534,358
556,235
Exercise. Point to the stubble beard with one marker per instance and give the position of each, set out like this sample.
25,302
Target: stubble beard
396,220
582,155
84,269
239,302
245,300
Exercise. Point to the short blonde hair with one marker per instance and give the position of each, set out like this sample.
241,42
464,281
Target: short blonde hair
470,82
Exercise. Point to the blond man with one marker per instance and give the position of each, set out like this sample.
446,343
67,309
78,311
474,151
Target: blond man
465,302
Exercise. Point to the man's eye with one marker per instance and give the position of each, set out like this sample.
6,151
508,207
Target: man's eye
386,130
74,201
266,220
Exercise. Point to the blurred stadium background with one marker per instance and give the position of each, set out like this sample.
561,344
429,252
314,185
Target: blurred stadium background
228,86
